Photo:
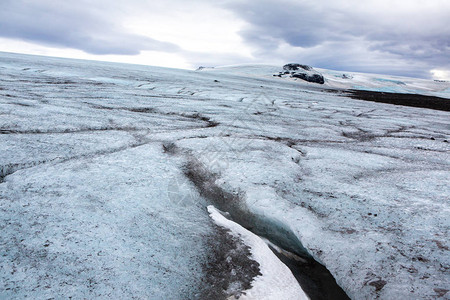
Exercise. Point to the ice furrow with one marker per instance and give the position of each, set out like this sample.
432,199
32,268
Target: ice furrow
275,231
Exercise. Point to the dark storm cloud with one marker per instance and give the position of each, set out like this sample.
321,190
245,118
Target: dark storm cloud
79,25
293,23
403,37
399,37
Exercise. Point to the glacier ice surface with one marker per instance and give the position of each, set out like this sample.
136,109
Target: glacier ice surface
92,205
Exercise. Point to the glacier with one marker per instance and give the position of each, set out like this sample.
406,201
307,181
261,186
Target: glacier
108,170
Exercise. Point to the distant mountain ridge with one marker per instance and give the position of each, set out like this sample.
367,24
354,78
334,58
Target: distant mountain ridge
305,74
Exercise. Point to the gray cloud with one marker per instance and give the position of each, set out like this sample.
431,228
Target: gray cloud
402,37
79,25
295,23
397,37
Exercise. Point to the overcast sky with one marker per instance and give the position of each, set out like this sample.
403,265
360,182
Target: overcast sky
400,37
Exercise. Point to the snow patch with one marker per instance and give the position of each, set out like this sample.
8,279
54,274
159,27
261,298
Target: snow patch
276,281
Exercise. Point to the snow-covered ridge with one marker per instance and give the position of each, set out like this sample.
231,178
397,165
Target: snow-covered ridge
346,80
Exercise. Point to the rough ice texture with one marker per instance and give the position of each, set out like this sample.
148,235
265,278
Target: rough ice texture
93,205
276,280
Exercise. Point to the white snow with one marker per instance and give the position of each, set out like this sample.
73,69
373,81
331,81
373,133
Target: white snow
385,83
344,80
276,281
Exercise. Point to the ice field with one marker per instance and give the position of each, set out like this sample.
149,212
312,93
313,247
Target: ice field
113,177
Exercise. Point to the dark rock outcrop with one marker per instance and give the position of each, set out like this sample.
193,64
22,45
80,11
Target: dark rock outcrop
316,78
303,72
